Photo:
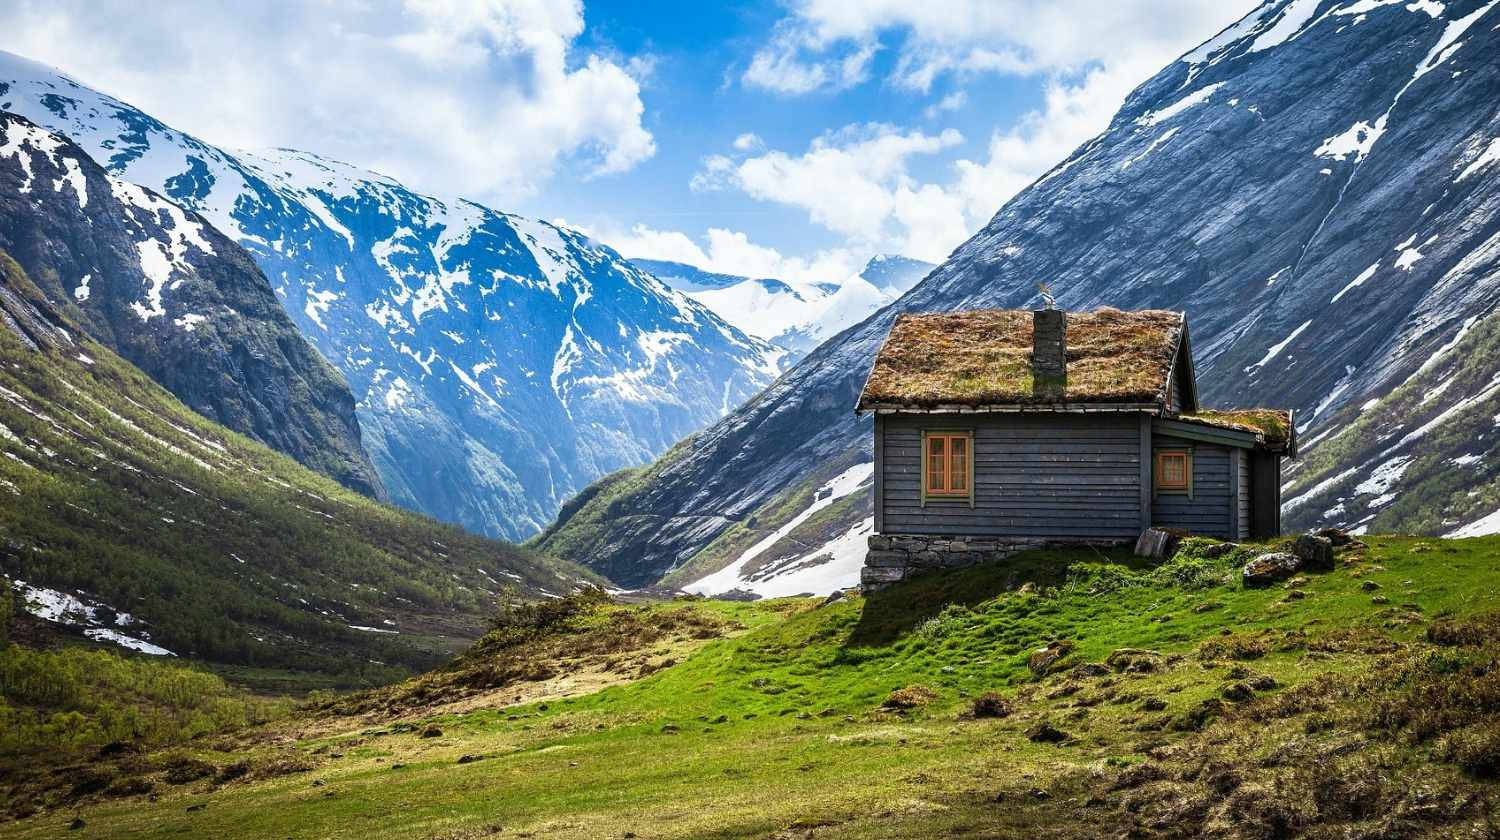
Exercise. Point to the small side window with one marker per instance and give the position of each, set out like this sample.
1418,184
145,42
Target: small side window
1174,471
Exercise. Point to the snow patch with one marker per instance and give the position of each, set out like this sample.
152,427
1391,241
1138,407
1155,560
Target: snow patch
1275,350
730,576
1357,281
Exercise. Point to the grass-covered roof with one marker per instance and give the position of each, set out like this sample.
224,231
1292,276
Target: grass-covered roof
1274,425
983,357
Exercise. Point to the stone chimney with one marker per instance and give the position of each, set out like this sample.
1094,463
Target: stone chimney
1049,352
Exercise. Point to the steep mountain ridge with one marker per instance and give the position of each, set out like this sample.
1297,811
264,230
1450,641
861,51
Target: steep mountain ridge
793,315
1315,186
138,522
499,363
171,294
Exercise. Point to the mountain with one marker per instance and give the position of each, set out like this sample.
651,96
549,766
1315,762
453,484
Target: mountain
796,316
141,523
169,293
1316,186
499,363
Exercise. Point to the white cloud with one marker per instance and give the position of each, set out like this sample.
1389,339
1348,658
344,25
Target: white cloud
732,252
486,98
747,142
952,102
781,67
979,36
854,181
1089,53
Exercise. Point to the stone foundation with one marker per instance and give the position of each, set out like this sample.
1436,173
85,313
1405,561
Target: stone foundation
892,558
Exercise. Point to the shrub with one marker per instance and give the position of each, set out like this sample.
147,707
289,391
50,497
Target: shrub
521,620
1476,749
991,705
1474,631
910,697
951,620
7,607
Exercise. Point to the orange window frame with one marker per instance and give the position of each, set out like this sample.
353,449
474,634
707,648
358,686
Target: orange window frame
1173,471
948,466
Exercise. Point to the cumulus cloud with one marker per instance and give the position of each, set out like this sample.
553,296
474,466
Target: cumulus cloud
966,37
952,102
1089,54
732,252
487,98
854,181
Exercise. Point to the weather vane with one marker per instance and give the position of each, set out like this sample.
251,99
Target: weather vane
1047,299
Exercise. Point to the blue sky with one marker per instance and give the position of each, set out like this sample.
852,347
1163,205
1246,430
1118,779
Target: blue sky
789,138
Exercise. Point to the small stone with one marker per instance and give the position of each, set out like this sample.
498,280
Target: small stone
1296,595
669,728
76,824
468,758
1380,600
1369,586
1153,704
432,731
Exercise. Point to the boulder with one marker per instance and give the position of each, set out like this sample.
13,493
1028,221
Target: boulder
1043,659
1316,553
1155,543
1269,568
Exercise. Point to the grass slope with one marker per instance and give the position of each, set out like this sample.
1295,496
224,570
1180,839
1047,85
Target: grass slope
1361,702
225,550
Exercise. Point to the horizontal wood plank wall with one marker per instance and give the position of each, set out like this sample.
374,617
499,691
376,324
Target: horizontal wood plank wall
1244,493
1057,476
1207,512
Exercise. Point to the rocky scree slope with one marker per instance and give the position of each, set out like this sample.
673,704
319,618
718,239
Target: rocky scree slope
499,363
162,288
132,520
1318,187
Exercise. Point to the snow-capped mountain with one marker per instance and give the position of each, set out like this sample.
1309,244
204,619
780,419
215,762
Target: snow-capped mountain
795,316
1318,186
168,292
499,363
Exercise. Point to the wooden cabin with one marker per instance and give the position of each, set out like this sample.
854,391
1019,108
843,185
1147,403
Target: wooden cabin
998,430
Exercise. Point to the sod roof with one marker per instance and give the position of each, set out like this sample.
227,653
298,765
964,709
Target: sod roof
1272,425
983,357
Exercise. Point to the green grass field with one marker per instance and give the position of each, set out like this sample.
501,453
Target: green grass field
1361,702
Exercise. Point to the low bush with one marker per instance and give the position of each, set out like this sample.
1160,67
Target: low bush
991,705
910,697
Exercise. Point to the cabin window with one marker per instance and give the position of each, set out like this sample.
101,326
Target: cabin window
948,465
1174,471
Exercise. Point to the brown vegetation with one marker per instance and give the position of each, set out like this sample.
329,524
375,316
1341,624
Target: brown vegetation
983,357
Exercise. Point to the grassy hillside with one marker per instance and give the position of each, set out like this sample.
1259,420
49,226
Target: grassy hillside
1357,703
208,544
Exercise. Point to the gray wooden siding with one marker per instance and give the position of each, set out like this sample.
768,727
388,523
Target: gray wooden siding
1244,496
1207,511
1174,392
1057,476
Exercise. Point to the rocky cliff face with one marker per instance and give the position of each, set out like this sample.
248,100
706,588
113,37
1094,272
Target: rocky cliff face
499,363
168,292
1318,187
